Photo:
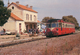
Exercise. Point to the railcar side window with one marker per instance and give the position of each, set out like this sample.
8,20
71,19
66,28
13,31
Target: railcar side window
53,24
66,25
57,24
63,25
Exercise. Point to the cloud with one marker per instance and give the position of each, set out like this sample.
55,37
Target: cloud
53,8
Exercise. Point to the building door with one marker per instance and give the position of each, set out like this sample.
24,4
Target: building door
34,26
20,28
27,28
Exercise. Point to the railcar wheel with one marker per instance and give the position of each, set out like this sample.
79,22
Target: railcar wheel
72,33
48,36
57,36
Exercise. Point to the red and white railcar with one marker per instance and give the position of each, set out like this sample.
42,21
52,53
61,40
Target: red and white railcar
55,27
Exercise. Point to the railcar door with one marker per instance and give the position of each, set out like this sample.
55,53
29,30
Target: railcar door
60,28
63,28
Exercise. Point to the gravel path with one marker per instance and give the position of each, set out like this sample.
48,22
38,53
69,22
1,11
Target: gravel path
63,45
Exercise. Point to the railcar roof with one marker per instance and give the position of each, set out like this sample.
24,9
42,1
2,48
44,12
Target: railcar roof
53,20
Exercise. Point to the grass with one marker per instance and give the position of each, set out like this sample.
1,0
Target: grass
47,44
14,38
19,38
46,51
63,52
7,38
61,38
66,44
37,43
32,38
3,38
63,49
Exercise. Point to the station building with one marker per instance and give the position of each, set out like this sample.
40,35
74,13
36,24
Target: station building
22,18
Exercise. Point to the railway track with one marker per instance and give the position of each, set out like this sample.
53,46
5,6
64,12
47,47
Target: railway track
15,42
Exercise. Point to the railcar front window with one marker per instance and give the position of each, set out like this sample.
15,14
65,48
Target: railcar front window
48,25
53,24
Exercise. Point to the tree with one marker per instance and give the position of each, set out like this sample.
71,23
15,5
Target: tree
45,19
1,3
71,19
4,13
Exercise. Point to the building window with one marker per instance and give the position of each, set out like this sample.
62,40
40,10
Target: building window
19,24
34,18
27,16
34,26
12,7
31,17
31,26
19,27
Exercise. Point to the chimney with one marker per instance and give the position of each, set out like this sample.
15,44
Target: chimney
17,2
8,2
31,7
27,6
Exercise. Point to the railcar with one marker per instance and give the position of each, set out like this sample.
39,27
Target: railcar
56,27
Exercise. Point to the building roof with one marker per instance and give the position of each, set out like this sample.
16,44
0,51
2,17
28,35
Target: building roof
23,7
38,21
15,17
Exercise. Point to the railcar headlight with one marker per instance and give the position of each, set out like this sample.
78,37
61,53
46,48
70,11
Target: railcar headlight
57,29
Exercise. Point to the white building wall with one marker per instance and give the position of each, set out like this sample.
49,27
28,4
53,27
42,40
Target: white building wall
22,26
17,11
30,13
9,25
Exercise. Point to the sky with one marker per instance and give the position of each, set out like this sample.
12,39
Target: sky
53,8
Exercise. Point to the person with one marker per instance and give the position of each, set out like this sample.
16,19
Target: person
4,30
29,30
37,31
44,31
40,30
34,31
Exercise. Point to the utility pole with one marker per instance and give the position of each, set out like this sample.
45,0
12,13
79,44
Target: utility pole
8,2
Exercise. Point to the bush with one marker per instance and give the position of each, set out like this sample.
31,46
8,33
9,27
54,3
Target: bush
25,31
17,35
79,28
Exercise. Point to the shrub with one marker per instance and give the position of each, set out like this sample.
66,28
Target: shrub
17,35
79,29
25,31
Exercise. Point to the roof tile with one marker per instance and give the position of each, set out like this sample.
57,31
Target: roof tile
23,7
15,17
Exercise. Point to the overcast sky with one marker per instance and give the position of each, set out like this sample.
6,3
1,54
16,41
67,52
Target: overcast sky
53,8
